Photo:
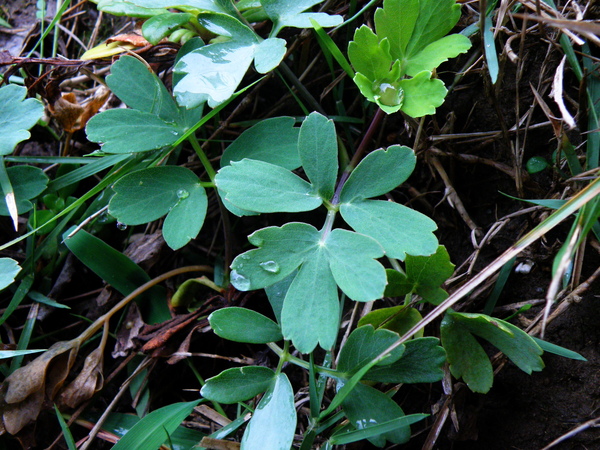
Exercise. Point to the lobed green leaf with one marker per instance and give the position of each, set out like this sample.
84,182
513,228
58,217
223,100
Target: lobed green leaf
17,116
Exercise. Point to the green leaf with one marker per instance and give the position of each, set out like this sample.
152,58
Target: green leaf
273,423
139,88
517,345
9,269
365,181
399,230
114,129
289,13
268,54
366,406
437,52
158,27
27,182
398,284
154,429
264,187
422,94
421,362
466,357
238,384
127,8
398,319
244,325
311,308
317,146
276,294
351,260
146,195
17,116
272,140
369,55
421,23
428,273
282,250
115,268
548,347
364,344
213,72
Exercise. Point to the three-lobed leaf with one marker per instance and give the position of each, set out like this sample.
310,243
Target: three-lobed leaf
468,359
289,13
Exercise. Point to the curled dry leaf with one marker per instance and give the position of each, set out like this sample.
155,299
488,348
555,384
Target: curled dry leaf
23,392
87,383
73,115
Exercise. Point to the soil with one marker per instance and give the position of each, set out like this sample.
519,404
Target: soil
521,411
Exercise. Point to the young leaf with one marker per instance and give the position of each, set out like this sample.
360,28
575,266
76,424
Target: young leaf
421,362
146,195
17,116
366,181
160,26
369,55
154,429
244,325
422,94
9,269
273,424
437,52
263,187
27,182
317,146
352,262
366,406
288,13
399,230
114,128
281,251
272,140
364,344
311,308
238,384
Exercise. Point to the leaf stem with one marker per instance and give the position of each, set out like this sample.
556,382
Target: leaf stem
203,158
300,362
375,122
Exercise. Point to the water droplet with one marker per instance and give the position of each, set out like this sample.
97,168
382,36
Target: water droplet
270,266
182,193
104,217
239,281
174,133
121,226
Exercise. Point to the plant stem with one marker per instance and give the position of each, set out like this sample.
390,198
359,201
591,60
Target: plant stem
362,147
300,362
203,158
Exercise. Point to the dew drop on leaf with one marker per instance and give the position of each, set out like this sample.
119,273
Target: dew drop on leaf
239,281
182,194
270,266
389,94
121,226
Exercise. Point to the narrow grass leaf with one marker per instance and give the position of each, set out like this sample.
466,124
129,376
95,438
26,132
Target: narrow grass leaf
65,430
375,430
154,429
558,350
5,354
491,56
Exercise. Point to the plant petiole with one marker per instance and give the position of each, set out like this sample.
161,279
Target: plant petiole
203,158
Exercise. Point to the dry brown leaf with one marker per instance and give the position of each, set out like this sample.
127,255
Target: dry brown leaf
27,386
87,383
129,330
130,38
72,115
